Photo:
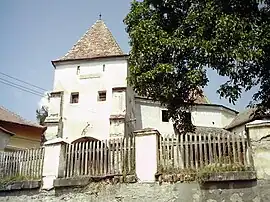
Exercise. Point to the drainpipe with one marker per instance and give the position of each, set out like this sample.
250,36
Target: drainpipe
60,124
250,146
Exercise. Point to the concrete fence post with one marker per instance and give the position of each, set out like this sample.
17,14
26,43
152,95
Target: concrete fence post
146,141
258,133
53,166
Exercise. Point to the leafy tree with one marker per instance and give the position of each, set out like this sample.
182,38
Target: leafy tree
41,115
173,42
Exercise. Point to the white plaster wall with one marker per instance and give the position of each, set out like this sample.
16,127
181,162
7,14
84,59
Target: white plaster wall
206,116
238,129
4,140
149,115
54,106
227,117
259,132
89,110
53,109
51,132
117,128
212,116
51,165
118,103
256,133
146,157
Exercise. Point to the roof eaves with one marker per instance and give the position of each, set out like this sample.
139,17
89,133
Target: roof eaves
26,124
243,118
18,119
7,131
195,104
218,105
54,62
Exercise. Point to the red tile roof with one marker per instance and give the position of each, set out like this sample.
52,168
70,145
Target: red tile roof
97,42
8,116
7,131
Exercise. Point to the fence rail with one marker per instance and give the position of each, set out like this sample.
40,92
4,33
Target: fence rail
195,151
23,163
100,158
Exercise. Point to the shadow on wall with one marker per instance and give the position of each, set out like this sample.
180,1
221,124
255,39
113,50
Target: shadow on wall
214,186
138,111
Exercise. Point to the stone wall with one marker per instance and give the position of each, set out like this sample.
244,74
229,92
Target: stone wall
254,191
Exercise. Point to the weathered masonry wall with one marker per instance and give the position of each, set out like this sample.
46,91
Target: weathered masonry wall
254,191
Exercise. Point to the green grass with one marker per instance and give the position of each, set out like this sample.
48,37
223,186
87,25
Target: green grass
202,174
16,178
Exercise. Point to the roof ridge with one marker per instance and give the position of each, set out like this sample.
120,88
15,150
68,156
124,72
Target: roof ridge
97,41
80,39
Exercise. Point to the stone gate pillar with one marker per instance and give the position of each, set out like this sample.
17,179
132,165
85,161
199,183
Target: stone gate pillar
53,166
146,141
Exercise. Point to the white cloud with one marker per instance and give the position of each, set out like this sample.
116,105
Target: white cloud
44,101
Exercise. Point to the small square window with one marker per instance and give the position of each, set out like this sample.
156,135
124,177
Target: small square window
165,116
74,98
102,96
55,94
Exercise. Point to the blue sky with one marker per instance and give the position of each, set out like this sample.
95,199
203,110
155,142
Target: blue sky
35,32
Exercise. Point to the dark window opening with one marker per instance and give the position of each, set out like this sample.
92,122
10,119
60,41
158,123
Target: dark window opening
78,70
165,116
102,96
55,94
103,68
74,98
187,117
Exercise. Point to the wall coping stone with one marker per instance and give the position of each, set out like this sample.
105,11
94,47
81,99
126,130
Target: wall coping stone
83,181
19,185
146,131
232,176
55,141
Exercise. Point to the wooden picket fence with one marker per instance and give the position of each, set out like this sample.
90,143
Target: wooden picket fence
100,158
195,151
23,163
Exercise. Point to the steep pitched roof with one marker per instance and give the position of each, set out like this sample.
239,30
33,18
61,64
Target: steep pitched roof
201,99
97,42
8,116
242,118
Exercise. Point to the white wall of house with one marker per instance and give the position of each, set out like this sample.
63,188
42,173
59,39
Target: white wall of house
117,128
258,129
212,116
90,114
52,130
4,140
238,129
149,115
98,119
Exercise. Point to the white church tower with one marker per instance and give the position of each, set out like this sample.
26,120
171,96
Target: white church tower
90,94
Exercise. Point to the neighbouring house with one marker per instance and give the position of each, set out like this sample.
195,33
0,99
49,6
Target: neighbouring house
18,133
257,128
4,138
248,121
203,114
91,96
